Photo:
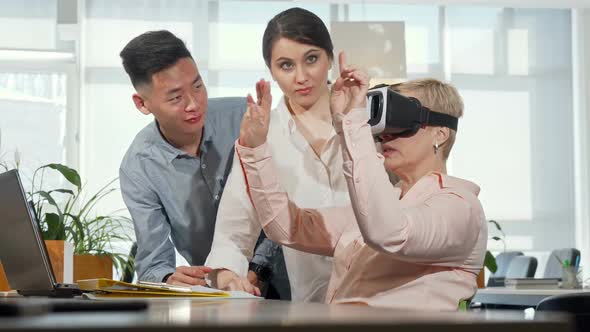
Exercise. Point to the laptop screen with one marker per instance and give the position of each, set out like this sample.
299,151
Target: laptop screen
22,249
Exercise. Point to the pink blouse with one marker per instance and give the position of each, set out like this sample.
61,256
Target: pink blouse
421,252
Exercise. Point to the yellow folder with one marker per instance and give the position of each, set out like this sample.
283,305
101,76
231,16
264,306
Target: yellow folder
113,288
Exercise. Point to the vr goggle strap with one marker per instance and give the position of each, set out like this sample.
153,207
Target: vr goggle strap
430,118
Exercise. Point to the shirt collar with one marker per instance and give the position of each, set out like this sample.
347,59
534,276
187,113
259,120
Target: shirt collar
282,111
441,181
447,181
208,129
171,152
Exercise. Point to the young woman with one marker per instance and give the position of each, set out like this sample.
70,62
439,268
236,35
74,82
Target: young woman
298,51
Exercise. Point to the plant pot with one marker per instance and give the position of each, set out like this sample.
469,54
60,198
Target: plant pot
3,281
61,256
481,279
92,267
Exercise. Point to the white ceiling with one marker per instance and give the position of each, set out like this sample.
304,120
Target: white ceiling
495,3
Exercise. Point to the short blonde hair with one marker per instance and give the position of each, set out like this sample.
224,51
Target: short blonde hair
438,97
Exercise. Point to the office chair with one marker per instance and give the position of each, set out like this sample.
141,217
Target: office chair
554,266
503,260
129,269
576,304
522,267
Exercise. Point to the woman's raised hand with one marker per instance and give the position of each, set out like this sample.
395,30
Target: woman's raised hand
350,89
255,122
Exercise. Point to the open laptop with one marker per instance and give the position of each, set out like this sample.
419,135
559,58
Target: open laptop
22,249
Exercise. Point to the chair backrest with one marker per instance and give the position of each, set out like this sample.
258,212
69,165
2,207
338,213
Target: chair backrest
502,261
577,304
522,267
554,268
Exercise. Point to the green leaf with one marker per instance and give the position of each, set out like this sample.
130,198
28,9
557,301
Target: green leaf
497,238
47,196
77,231
69,173
496,224
62,191
55,227
464,305
490,262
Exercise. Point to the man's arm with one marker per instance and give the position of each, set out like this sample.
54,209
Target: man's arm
155,259
155,256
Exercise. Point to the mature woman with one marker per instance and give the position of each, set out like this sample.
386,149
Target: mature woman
298,52
416,245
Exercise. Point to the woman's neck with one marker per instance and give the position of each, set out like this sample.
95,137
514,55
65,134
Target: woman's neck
416,172
320,110
315,122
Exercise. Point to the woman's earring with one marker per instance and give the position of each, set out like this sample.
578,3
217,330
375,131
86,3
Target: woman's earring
435,147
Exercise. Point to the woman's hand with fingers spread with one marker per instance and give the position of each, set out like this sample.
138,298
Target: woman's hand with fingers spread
255,123
350,89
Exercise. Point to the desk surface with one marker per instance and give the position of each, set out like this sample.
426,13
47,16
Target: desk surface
257,315
522,297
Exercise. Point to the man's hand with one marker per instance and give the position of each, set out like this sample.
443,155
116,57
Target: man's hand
189,276
350,89
228,280
255,123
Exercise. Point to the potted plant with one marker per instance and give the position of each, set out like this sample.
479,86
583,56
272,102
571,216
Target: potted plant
489,260
69,215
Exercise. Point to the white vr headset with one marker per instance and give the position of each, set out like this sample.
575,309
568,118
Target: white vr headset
395,114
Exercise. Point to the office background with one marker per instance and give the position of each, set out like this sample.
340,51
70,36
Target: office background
523,68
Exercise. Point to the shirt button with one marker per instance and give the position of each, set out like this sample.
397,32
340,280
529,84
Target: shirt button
216,197
203,166
348,122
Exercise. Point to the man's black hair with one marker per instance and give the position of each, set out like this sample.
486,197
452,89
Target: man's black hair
150,53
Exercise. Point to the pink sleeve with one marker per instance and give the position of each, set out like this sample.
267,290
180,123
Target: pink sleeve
440,230
312,230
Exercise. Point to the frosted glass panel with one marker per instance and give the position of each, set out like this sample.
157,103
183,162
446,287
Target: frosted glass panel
32,121
243,52
472,51
28,24
109,36
518,52
487,132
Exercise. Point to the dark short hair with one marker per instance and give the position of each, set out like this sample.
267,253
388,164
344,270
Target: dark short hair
150,53
299,25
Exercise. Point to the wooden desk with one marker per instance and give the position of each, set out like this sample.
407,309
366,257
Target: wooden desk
522,297
266,315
